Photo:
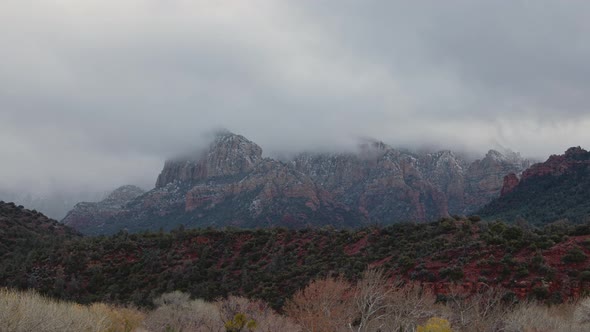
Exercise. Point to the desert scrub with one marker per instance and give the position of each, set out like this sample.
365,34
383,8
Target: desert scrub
177,312
533,316
575,255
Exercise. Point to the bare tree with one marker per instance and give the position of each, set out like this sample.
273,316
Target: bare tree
177,311
371,300
384,305
410,304
324,305
482,310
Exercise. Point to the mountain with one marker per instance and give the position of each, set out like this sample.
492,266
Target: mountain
94,214
228,155
390,185
231,184
555,189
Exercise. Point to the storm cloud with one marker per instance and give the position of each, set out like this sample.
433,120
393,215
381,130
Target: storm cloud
98,93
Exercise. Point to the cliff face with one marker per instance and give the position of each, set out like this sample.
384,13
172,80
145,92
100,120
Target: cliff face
386,184
548,191
572,159
228,155
510,183
381,183
485,178
232,184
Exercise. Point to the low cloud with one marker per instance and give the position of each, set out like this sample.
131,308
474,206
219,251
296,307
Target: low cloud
95,94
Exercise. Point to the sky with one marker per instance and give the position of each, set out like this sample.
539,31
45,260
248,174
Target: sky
98,93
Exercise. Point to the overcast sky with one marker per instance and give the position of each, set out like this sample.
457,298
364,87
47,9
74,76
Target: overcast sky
98,93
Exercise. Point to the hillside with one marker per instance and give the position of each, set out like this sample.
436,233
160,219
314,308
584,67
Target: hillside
21,229
231,184
24,234
271,264
555,189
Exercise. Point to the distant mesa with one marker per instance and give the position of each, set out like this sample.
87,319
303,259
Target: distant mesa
231,184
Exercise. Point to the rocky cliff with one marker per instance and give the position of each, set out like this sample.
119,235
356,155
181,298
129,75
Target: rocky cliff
485,177
387,184
555,189
228,155
231,184
573,159
511,181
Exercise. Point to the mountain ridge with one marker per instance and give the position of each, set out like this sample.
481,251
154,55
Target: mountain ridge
232,184
548,191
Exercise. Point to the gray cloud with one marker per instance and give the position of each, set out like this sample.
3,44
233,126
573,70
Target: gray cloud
98,93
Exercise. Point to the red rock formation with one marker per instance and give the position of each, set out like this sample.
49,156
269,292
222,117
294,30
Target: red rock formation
510,182
485,178
271,179
547,191
558,164
378,184
227,155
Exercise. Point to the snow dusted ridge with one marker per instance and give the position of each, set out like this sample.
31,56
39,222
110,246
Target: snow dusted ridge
228,155
232,184
96,213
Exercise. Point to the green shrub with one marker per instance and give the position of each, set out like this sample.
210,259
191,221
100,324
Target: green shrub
522,272
584,276
452,273
474,218
575,255
540,293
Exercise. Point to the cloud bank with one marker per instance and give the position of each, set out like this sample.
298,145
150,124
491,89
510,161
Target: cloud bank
94,94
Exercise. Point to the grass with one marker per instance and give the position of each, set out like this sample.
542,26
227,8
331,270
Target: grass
29,311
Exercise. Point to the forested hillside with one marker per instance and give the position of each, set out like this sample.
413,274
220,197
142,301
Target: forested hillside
548,263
